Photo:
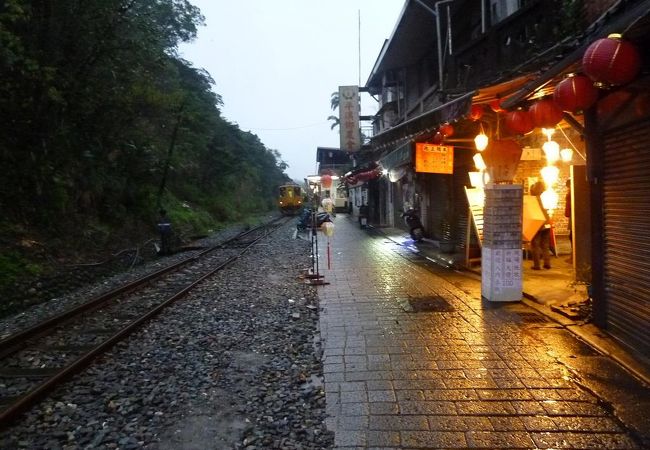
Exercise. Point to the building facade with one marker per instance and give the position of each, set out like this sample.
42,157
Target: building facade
454,69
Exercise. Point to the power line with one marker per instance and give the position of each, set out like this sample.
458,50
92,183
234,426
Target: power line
286,129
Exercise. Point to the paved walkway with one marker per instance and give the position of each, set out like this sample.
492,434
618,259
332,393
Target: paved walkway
413,358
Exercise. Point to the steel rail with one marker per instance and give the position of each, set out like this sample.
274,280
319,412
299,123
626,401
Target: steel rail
10,413
13,343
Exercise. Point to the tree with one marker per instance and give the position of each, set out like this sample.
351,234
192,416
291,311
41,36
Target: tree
334,104
334,100
98,106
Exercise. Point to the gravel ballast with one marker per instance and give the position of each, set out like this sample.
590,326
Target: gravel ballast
236,364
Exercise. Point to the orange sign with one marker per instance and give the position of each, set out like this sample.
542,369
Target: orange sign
433,158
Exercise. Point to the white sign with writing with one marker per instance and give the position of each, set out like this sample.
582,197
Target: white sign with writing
501,274
349,118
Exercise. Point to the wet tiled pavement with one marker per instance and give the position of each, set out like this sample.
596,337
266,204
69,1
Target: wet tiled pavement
413,358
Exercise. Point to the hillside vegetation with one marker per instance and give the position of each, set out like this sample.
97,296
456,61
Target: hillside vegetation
103,123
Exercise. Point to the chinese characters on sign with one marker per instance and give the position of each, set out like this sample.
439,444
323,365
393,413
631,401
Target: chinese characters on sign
501,255
433,158
349,118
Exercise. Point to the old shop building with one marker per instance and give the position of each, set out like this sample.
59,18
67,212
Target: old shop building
452,70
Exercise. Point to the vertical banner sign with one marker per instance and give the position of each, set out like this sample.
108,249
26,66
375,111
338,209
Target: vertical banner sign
349,118
432,158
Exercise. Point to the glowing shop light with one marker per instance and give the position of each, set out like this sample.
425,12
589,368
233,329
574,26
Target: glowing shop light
549,200
486,178
548,132
550,175
566,154
481,141
552,151
476,179
478,162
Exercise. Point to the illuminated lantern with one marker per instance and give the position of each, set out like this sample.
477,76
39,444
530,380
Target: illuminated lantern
545,113
549,200
328,229
481,141
575,94
550,175
476,179
502,158
611,61
447,130
438,138
479,163
326,181
566,154
551,151
519,121
496,105
476,112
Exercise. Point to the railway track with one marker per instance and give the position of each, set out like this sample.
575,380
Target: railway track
37,359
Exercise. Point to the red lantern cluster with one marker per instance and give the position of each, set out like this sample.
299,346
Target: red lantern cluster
446,130
575,94
545,113
438,138
496,105
607,62
363,176
519,121
476,112
611,61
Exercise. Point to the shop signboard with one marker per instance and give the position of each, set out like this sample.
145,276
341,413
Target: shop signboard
349,118
431,158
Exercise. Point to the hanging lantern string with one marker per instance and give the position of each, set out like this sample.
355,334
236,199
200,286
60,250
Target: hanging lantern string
574,147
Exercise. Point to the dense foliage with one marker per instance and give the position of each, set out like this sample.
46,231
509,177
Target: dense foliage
103,122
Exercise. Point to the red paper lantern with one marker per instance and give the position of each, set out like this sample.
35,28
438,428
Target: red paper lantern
496,105
438,138
446,130
326,181
545,113
575,94
519,121
611,61
476,112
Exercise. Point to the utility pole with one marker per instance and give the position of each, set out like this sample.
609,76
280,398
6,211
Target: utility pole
436,13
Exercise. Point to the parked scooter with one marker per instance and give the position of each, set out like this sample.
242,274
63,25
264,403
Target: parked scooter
412,220
305,219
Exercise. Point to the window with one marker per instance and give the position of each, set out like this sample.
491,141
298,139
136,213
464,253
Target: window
501,9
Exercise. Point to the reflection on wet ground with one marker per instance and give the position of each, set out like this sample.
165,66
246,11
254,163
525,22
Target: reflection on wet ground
414,358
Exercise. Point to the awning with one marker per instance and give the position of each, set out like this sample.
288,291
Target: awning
501,90
402,155
425,122
613,21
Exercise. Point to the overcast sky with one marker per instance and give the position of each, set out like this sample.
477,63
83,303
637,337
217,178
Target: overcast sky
276,64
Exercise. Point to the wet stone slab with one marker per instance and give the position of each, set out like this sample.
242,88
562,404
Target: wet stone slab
429,303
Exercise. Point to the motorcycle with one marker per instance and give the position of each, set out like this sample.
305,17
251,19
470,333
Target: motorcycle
412,221
305,220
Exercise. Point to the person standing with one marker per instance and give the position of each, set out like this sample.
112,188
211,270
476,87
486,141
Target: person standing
567,209
541,242
165,230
